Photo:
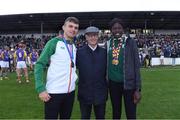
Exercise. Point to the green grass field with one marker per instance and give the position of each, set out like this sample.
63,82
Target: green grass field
160,97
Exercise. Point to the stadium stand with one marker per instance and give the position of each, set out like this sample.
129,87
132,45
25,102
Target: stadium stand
157,33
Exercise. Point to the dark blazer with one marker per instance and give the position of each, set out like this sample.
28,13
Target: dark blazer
92,84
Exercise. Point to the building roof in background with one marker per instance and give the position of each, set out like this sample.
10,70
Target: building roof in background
52,22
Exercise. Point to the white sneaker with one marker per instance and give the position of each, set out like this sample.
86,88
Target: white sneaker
19,82
27,81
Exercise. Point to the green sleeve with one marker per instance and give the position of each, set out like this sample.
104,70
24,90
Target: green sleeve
42,62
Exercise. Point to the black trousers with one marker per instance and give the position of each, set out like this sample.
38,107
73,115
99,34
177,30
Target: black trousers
59,104
116,92
99,110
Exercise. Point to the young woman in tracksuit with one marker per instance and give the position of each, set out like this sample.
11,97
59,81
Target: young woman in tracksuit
123,71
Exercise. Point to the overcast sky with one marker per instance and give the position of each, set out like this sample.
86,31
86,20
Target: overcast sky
51,6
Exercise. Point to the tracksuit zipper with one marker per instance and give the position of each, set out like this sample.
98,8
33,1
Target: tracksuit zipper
70,77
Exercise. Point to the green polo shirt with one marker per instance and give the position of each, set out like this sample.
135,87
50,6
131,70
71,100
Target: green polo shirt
115,72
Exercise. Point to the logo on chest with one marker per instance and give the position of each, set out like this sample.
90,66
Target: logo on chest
62,47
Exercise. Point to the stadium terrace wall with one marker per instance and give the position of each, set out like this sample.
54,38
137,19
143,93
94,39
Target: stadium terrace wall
167,61
167,31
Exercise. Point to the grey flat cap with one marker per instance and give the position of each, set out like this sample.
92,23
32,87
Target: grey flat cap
92,29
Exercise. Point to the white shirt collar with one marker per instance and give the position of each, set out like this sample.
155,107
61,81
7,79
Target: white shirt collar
93,49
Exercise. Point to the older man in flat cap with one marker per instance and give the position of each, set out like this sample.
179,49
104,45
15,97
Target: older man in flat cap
92,86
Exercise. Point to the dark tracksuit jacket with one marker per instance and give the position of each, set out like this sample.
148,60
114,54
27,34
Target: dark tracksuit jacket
131,67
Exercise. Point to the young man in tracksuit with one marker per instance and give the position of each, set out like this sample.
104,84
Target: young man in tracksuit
123,71
59,88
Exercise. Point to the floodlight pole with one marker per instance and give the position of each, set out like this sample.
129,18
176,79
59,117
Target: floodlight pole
42,29
145,25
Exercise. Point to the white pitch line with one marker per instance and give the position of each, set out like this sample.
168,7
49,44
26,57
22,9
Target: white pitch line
164,69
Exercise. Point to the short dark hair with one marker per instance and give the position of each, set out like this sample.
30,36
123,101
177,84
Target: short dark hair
116,20
72,19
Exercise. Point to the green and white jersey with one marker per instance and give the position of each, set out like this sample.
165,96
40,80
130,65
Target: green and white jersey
61,77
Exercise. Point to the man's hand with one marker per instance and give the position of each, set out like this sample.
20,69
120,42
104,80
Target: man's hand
137,97
44,96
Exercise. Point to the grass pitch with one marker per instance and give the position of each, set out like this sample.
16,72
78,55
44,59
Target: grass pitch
160,97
